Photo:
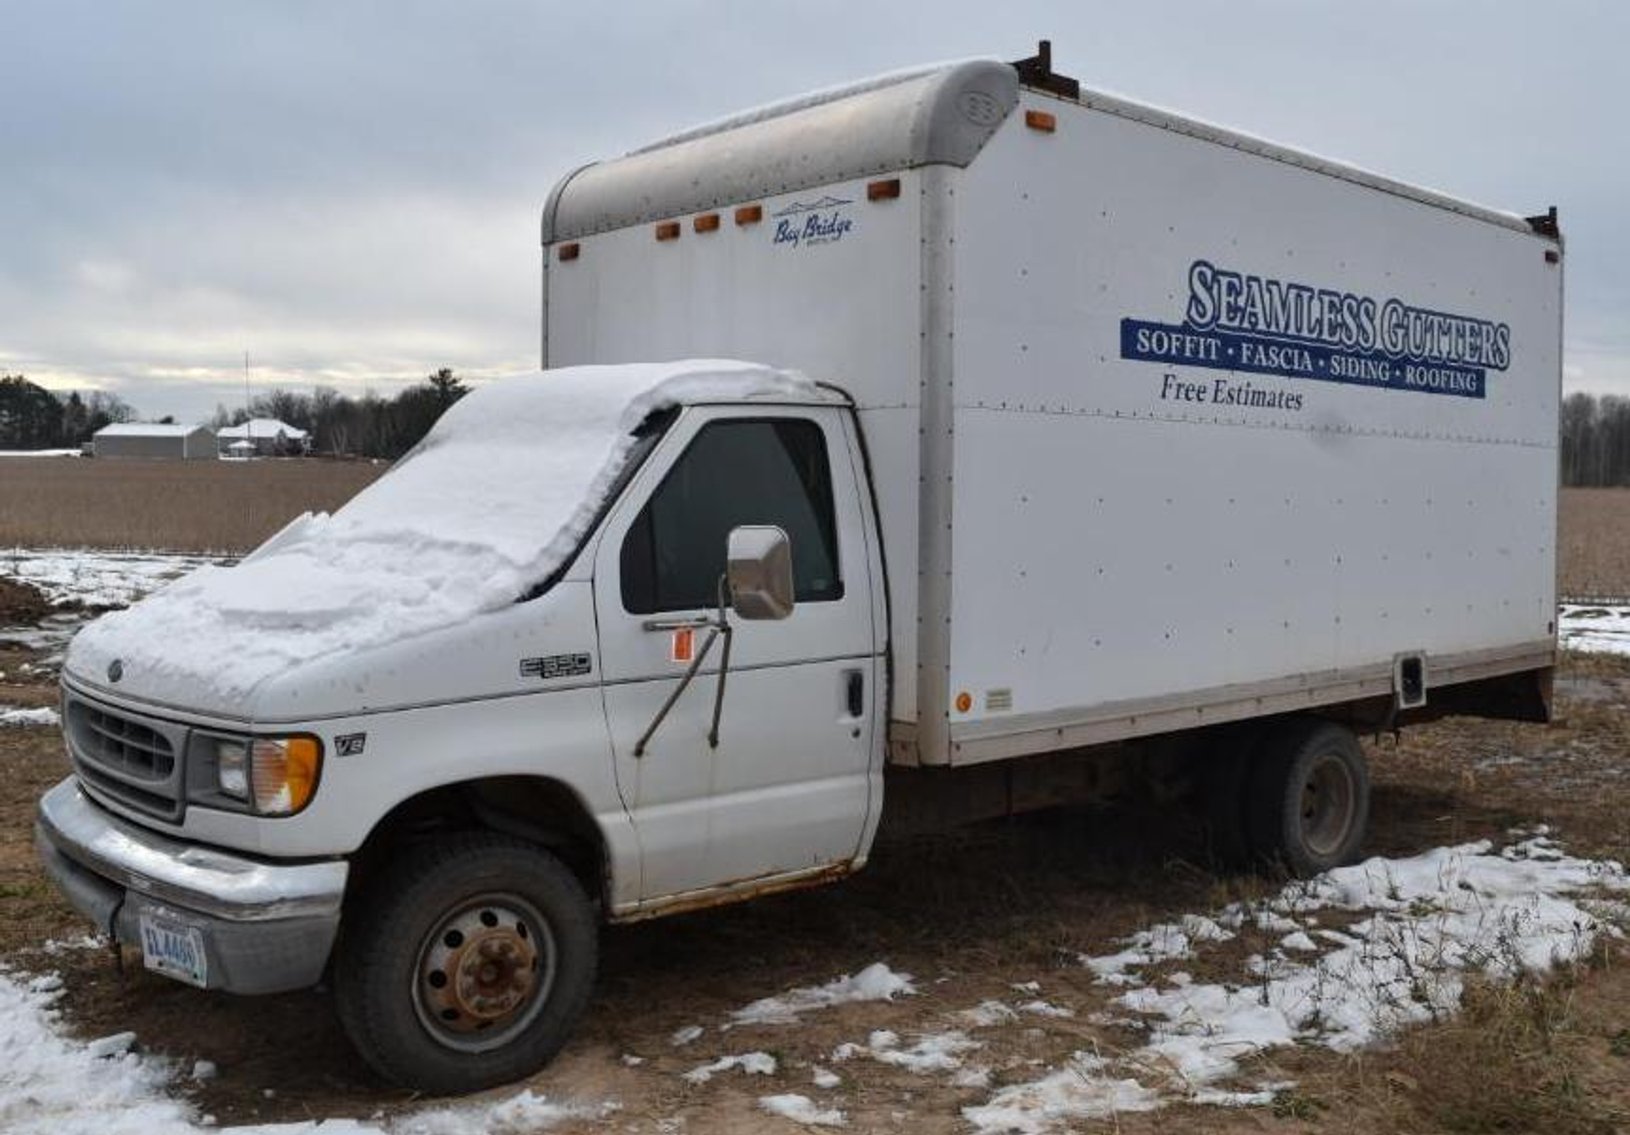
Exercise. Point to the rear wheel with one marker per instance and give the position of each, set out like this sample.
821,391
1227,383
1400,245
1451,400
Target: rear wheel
467,964
1309,803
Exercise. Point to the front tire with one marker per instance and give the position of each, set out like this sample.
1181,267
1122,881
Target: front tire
466,964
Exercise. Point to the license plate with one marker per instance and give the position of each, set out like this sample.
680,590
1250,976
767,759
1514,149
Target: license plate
173,950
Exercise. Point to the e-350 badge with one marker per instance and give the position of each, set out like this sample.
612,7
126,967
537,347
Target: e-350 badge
557,666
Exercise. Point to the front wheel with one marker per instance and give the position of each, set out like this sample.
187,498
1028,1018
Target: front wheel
1309,802
467,964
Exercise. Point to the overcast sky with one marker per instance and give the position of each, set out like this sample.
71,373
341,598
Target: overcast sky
349,191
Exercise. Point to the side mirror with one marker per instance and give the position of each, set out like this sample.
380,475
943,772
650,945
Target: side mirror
759,570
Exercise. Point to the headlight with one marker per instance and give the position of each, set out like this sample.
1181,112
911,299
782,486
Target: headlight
283,773
232,767
271,776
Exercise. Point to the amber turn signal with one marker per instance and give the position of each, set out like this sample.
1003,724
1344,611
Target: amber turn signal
1040,120
883,190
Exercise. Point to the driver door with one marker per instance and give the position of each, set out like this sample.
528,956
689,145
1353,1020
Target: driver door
791,782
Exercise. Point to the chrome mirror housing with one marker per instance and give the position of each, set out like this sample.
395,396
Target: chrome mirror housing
759,571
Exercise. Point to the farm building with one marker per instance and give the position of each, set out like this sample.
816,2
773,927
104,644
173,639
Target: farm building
270,438
153,439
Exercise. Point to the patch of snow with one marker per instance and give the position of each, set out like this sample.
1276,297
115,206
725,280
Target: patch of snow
1046,1009
973,1076
1430,919
39,453
1080,1090
988,1014
874,983
684,1036
632,1061
1594,629
933,1052
752,1063
43,716
54,946
204,1070
825,1078
1166,942
495,498
98,578
1027,986
116,1045
801,1109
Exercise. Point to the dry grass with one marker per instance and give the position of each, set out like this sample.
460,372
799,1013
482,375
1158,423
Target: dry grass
1594,547
179,506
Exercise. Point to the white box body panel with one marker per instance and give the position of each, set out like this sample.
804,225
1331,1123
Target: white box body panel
1080,529
1115,542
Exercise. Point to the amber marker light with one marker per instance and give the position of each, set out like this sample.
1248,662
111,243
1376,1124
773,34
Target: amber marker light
1040,120
570,251
883,190
964,702
283,773
706,223
749,214
668,230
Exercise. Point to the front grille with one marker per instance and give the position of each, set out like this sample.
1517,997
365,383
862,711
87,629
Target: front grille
134,759
121,743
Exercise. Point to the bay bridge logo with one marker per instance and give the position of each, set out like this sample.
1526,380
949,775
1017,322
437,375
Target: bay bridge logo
1240,322
802,225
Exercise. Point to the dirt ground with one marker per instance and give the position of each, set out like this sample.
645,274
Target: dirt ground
969,914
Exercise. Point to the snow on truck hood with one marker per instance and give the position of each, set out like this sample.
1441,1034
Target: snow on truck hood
490,504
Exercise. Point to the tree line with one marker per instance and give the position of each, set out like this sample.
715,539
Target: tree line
1596,440
32,417
368,426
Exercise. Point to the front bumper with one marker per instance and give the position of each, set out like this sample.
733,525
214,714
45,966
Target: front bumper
266,927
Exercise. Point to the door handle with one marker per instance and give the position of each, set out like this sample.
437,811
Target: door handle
854,692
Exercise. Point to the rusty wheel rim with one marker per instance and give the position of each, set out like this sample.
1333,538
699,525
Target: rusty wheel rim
484,972
1327,805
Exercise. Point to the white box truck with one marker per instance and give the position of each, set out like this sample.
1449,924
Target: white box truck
1117,443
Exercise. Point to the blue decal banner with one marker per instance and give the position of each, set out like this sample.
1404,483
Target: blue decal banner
1182,345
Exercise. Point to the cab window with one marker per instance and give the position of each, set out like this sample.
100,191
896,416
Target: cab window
762,471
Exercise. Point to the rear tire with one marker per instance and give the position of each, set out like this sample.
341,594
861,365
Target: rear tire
1309,797
466,964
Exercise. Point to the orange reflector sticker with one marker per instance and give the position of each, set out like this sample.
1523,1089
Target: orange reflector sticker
749,214
964,702
883,190
706,223
668,230
1040,120
683,647
570,251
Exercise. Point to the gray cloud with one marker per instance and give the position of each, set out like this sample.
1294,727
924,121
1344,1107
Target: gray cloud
349,191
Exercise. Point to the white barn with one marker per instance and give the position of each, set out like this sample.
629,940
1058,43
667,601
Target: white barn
154,440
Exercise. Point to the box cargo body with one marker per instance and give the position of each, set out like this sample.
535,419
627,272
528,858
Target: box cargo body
1168,426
